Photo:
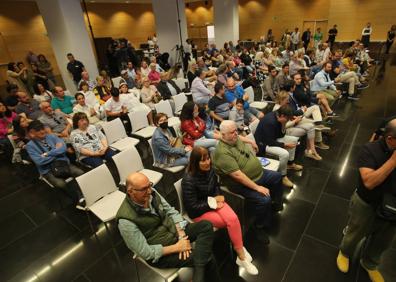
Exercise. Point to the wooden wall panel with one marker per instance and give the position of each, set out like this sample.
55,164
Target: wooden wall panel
199,15
22,29
133,21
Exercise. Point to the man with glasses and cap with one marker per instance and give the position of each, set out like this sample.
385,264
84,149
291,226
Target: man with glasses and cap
157,233
242,172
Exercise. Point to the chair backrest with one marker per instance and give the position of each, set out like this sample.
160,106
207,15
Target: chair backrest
127,161
67,93
250,92
164,107
180,82
116,81
179,191
114,130
251,137
96,184
253,126
150,141
138,120
180,100
12,141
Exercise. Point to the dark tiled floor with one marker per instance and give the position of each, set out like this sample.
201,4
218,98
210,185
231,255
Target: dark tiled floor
40,242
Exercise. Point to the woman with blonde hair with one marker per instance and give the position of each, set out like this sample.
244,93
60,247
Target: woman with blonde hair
149,93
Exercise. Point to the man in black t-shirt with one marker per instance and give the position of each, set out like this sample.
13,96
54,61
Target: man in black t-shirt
75,68
332,35
218,105
377,163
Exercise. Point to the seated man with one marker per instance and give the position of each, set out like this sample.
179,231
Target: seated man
55,122
200,92
44,149
62,102
270,86
167,87
28,106
322,83
235,92
240,170
11,101
218,105
157,233
271,139
125,78
210,75
85,77
283,76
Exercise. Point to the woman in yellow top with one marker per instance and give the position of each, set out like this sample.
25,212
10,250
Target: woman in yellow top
101,91
348,62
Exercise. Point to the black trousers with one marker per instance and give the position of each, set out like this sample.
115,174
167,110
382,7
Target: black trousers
201,258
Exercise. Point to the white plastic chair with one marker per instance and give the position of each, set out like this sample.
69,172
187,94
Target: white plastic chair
168,274
180,100
116,81
165,107
173,169
140,125
181,82
179,191
258,105
253,126
116,135
101,194
129,161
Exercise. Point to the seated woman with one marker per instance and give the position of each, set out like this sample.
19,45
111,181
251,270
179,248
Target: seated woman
90,98
154,75
299,126
133,104
149,94
41,94
101,91
144,68
167,149
203,201
194,128
92,113
21,138
89,143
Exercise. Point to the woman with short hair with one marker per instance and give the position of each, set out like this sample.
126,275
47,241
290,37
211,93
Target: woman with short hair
89,142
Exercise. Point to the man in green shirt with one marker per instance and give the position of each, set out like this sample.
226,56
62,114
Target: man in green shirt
157,233
241,171
61,101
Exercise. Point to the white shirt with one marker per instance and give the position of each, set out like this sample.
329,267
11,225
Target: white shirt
90,99
295,37
116,106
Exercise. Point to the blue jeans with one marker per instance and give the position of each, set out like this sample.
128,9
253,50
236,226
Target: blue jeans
209,144
97,161
257,202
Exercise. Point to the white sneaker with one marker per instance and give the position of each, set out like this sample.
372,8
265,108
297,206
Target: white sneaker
248,266
248,257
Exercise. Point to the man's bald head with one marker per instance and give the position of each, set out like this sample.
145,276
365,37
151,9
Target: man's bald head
23,97
390,134
230,83
45,107
135,180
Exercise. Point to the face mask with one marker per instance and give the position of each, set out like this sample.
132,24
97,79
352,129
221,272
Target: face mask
195,114
164,125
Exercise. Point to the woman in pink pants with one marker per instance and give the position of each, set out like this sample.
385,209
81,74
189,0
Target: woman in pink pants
203,201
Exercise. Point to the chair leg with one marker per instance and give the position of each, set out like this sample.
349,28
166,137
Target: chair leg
90,222
137,270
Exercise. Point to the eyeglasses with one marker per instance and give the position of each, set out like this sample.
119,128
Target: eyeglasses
145,189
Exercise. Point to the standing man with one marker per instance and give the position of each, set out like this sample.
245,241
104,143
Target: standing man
295,39
332,35
390,38
366,32
372,210
75,68
306,37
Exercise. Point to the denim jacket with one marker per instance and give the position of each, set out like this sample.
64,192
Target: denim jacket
164,153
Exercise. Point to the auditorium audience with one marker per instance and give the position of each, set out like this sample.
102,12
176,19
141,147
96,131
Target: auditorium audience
45,66
41,94
101,90
270,85
92,112
200,91
149,94
322,83
75,68
219,107
167,87
126,79
90,97
55,122
133,103
14,76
